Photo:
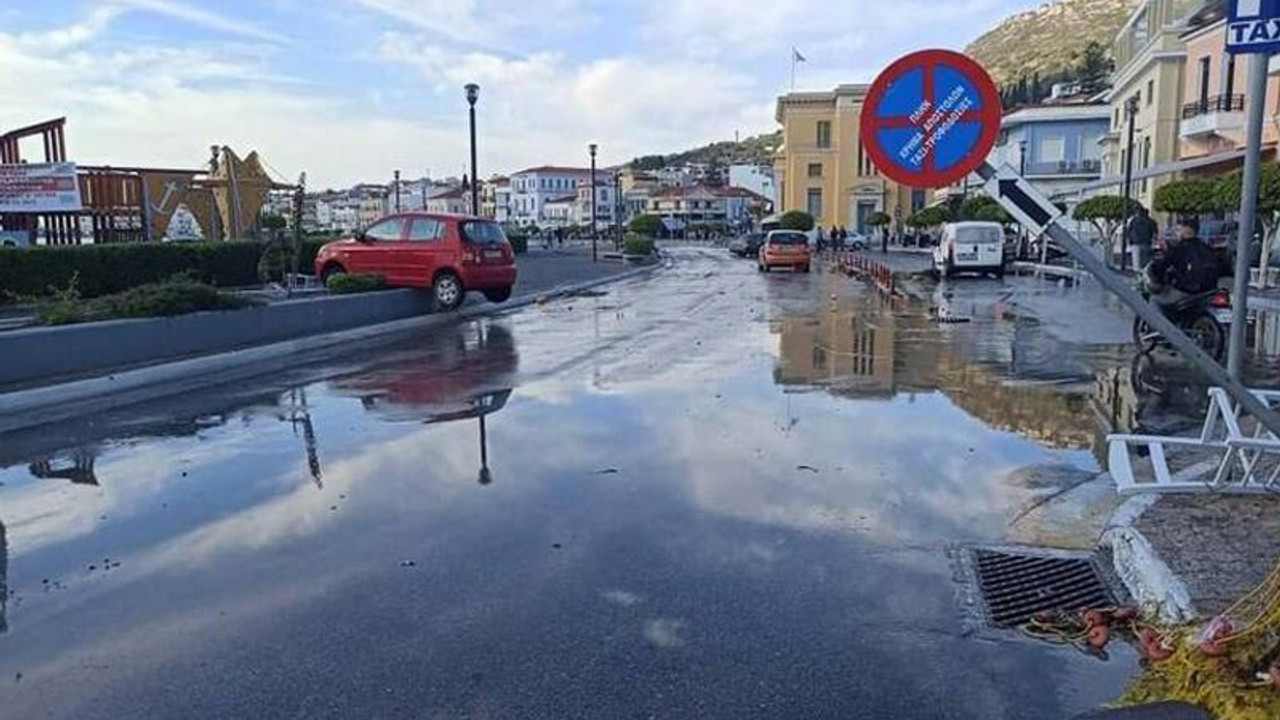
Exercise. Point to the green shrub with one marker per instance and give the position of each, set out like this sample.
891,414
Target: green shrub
177,296
105,269
796,220
638,246
349,283
647,225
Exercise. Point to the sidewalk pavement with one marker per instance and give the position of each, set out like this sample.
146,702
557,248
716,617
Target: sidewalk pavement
1188,555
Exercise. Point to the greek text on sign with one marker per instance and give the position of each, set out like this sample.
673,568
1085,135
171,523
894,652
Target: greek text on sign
39,188
931,118
1253,26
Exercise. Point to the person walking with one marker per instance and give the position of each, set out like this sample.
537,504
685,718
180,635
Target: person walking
1140,234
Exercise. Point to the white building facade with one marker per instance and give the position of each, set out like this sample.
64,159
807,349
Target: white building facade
532,189
756,178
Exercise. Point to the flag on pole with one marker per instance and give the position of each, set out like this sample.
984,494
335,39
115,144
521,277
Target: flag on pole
796,56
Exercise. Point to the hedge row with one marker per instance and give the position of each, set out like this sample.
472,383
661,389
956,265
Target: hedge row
106,269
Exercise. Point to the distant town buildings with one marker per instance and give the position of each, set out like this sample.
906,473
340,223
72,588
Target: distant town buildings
822,166
1056,147
533,188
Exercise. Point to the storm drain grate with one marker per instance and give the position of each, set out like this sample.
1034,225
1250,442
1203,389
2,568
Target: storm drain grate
1017,586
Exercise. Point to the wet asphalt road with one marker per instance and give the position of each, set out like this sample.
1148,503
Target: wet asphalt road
709,494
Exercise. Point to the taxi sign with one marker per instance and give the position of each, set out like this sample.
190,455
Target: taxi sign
931,118
1253,26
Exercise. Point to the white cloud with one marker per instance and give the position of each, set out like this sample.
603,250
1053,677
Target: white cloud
629,105
492,24
202,17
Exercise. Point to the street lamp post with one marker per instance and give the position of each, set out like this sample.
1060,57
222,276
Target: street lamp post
473,94
1024,236
1131,111
592,149
397,187
617,209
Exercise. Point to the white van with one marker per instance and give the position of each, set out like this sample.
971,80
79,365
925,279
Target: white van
970,247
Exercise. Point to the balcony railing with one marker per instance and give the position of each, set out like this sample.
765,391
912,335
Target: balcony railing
1216,104
1066,167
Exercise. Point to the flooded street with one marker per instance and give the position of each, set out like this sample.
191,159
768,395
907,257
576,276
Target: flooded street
709,494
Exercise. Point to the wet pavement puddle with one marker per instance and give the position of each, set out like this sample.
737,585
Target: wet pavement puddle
708,494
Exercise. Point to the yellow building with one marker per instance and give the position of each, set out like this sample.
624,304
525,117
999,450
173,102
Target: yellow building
1150,61
823,168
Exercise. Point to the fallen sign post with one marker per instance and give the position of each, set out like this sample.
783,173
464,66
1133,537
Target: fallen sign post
1030,206
932,118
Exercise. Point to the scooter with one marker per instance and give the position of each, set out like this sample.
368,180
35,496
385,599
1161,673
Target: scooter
1205,318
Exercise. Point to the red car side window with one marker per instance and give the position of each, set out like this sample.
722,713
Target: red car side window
387,231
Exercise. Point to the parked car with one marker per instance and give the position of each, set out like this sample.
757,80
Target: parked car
448,254
970,247
856,241
785,248
747,245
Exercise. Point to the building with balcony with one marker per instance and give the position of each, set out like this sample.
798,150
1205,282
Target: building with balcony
756,178
1056,147
531,189
495,199
1212,121
702,206
558,212
1150,56
606,202
454,201
823,168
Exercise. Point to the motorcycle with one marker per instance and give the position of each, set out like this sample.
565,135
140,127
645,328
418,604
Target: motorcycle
1205,318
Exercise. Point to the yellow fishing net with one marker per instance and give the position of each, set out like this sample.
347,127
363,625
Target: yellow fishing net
1229,667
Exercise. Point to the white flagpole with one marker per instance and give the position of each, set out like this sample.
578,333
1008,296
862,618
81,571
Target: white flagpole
793,68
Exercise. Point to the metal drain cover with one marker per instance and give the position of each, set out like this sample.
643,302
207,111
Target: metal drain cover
1016,585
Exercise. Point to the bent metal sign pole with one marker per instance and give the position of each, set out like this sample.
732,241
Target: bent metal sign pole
931,119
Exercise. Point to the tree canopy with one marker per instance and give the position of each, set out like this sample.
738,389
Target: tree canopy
1195,196
649,226
796,220
929,217
879,219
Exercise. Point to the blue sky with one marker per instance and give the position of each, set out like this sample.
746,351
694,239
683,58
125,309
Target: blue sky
350,90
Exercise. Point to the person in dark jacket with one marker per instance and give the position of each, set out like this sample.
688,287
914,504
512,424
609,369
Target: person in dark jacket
1187,268
1140,234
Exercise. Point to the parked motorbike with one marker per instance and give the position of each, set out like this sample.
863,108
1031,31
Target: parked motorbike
1205,318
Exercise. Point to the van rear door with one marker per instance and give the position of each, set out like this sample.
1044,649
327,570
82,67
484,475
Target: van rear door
980,246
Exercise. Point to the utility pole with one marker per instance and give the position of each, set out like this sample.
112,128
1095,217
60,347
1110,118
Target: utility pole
1131,111
594,254
1257,99
397,184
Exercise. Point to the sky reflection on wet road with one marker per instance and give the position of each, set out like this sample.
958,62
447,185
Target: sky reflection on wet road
709,494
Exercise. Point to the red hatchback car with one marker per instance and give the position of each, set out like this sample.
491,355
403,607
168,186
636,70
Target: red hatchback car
450,254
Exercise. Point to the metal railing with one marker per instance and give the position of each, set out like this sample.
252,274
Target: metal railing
1066,167
1215,104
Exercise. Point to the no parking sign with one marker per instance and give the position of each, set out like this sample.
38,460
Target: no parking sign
931,118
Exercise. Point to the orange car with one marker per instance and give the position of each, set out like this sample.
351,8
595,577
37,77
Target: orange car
785,248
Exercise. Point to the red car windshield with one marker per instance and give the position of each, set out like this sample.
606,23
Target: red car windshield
483,232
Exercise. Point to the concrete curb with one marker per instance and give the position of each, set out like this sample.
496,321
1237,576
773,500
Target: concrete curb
1149,580
38,406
